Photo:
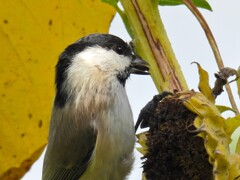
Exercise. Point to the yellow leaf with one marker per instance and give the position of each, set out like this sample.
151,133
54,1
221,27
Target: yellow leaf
143,176
212,129
197,122
232,124
238,147
234,171
204,83
142,140
32,35
199,104
224,108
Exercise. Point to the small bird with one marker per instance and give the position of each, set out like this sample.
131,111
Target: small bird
91,132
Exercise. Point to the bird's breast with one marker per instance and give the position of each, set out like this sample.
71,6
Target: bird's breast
115,139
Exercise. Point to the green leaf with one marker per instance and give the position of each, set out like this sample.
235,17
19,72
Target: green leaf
199,3
111,2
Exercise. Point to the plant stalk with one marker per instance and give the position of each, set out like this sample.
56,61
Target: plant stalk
152,44
213,45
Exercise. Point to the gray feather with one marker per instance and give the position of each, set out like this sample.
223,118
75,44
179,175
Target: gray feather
60,162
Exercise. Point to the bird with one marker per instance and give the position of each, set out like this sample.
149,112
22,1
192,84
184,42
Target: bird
91,134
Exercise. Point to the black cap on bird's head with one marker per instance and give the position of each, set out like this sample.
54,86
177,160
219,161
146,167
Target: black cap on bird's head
105,41
109,42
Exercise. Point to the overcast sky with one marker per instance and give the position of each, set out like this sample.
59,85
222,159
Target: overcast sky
189,44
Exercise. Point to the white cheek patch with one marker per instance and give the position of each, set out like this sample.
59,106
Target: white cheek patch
94,70
105,60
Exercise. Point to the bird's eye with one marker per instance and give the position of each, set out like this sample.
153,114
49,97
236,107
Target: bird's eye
119,50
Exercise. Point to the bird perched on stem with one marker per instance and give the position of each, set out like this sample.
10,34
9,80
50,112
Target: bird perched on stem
91,133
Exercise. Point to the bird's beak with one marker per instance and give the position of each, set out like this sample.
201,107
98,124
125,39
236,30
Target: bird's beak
139,66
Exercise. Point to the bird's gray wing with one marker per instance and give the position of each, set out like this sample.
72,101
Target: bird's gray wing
70,147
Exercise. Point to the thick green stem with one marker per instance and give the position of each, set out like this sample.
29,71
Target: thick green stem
125,20
152,44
